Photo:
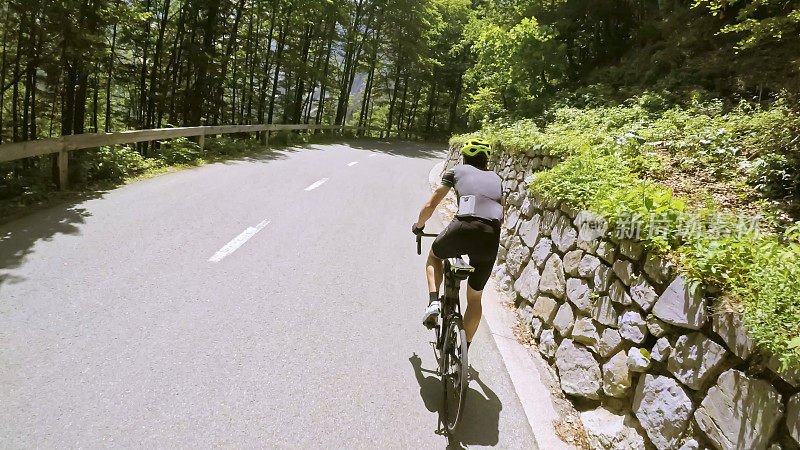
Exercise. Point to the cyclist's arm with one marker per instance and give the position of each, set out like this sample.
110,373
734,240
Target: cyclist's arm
430,206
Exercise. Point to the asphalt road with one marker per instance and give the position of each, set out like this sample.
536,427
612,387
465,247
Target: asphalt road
237,304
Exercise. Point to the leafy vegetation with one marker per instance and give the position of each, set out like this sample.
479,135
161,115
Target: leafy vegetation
621,162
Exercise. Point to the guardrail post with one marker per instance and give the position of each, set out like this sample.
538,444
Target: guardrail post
201,140
63,169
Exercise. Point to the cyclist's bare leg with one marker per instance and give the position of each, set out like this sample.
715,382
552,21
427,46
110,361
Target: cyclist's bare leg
472,316
435,271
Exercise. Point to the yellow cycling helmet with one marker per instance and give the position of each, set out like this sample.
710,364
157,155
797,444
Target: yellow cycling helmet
474,146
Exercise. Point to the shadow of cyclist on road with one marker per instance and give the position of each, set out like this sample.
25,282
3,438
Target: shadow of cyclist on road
479,425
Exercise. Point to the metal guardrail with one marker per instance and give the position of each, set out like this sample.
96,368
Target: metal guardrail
64,144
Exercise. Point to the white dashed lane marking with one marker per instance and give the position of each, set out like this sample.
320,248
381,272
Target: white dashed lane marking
238,241
316,184
352,163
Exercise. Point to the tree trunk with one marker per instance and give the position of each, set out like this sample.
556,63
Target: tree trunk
154,74
278,60
324,84
110,78
453,106
262,100
201,85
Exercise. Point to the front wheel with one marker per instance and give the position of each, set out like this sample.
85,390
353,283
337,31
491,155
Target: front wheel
454,368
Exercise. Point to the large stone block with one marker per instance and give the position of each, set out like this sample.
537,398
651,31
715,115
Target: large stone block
578,294
606,251
618,293
793,417
585,332
607,430
571,261
638,359
511,219
588,265
603,277
564,320
545,308
552,280
739,412
617,375
657,268
529,231
729,326
790,375
566,238
603,312
643,294
542,251
547,343
657,327
663,409
678,306
695,359
578,371
624,271
610,342
518,255
661,350
631,249
632,326
527,285
528,209
549,219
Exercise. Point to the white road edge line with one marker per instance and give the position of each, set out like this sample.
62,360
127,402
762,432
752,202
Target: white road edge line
373,154
238,241
352,163
316,184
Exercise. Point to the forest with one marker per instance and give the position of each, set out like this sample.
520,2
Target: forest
431,67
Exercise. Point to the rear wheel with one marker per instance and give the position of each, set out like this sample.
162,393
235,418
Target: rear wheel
454,367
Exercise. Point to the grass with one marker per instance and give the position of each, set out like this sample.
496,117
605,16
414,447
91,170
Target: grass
702,167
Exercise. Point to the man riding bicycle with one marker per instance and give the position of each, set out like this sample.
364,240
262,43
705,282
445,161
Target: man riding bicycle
475,230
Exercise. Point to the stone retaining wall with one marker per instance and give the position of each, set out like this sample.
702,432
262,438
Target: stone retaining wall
648,363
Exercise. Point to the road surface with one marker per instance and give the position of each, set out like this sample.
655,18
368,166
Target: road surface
270,301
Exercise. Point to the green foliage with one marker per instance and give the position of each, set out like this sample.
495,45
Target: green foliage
113,163
763,273
611,160
513,66
227,146
758,21
179,151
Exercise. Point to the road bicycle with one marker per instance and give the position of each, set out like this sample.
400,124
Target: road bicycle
451,341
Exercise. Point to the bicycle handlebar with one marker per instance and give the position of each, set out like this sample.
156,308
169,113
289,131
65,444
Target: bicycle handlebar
419,241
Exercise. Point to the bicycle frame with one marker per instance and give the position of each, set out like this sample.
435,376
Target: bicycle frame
451,303
449,330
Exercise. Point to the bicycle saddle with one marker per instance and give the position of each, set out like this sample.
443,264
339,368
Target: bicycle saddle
460,267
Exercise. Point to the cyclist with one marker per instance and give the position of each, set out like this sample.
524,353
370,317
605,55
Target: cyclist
475,230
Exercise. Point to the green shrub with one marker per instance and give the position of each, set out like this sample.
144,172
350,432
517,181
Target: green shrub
228,146
179,151
609,160
112,163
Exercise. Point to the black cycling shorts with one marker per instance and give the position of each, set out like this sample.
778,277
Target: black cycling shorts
472,237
